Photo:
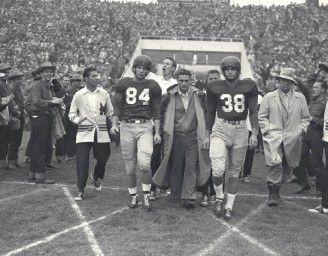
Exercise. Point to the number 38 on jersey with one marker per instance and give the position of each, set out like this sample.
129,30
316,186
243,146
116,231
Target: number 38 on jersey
132,96
236,103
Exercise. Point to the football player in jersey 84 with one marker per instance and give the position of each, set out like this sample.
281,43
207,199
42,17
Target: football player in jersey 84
136,101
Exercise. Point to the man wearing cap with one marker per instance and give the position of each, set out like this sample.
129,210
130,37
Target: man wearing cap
42,102
283,118
4,117
15,81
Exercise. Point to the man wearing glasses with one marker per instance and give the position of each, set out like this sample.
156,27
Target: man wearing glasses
283,118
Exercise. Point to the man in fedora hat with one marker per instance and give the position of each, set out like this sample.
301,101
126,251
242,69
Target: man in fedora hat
5,94
42,101
15,82
283,119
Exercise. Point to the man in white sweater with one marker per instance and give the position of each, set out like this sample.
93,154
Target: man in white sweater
90,108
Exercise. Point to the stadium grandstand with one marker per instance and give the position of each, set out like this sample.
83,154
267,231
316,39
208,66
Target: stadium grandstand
105,34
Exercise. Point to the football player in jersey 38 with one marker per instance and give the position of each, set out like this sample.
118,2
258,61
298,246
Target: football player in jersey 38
228,103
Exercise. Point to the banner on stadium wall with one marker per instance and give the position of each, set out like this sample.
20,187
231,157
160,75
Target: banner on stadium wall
189,57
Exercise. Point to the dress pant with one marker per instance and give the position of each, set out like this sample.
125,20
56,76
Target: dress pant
101,152
208,188
66,146
156,160
4,141
323,182
248,164
182,166
279,173
311,141
41,142
15,141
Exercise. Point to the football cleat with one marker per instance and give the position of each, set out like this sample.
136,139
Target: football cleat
134,202
146,202
218,207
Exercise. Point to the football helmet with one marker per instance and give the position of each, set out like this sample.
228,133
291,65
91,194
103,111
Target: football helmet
230,61
142,60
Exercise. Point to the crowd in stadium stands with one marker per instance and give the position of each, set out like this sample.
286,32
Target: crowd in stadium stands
75,33
43,37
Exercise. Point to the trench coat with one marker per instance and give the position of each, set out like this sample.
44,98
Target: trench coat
276,132
161,178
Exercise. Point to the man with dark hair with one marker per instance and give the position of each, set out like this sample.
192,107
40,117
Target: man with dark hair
136,101
165,81
208,190
323,181
90,108
228,103
42,101
185,163
312,141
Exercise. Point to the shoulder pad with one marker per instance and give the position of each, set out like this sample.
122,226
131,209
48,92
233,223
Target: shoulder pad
215,86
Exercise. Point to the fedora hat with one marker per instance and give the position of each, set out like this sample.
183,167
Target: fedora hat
4,67
45,65
15,74
323,65
76,77
287,74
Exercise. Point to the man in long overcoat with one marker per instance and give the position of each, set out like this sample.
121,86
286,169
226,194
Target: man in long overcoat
186,164
283,118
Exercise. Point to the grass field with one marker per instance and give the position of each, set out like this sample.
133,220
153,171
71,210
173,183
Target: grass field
45,220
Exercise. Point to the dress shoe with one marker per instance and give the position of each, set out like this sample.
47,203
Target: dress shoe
51,166
301,189
188,204
44,181
9,167
18,165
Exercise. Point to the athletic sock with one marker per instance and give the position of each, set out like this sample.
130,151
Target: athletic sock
230,201
219,191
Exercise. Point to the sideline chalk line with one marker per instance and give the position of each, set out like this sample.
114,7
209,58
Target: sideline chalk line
87,229
235,229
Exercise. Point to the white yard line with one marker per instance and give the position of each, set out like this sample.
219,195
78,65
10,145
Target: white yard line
56,235
235,229
285,197
59,185
87,229
12,198
124,188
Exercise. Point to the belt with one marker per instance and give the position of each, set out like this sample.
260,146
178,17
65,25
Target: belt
136,121
233,122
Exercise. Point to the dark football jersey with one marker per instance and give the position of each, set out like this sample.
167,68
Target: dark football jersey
232,103
137,100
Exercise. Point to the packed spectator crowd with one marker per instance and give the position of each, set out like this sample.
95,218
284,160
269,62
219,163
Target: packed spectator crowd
77,33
